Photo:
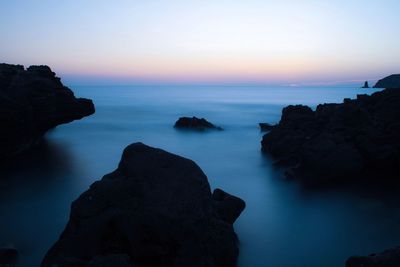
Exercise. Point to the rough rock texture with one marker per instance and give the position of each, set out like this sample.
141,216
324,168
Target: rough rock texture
387,258
32,101
8,257
266,126
195,123
155,209
392,81
366,85
339,142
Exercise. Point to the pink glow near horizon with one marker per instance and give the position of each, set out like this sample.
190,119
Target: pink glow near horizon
302,41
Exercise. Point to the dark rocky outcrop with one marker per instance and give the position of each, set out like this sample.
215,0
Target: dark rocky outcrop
195,123
359,138
155,209
32,101
266,126
387,258
366,85
392,81
8,257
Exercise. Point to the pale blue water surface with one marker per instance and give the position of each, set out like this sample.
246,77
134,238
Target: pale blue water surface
283,224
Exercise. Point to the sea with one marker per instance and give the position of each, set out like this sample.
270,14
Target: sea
284,223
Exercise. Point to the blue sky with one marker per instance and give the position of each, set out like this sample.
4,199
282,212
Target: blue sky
205,41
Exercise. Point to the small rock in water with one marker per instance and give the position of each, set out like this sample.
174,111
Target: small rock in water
195,123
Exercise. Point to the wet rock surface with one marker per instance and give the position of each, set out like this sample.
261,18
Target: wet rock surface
32,101
358,139
155,209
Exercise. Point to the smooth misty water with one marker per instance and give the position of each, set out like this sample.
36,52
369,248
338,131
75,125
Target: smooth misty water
283,224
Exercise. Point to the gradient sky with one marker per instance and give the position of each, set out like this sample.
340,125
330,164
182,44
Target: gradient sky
286,41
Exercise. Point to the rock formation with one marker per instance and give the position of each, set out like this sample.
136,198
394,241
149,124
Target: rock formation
155,209
32,101
387,258
265,126
195,123
8,257
358,139
392,81
366,85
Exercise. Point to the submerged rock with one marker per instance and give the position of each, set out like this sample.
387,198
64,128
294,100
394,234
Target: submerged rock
366,85
195,123
387,258
32,101
358,139
155,209
392,81
266,126
8,257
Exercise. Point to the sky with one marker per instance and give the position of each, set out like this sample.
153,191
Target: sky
204,41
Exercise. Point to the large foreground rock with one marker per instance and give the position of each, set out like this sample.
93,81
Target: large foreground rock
392,81
359,138
387,258
155,209
32,101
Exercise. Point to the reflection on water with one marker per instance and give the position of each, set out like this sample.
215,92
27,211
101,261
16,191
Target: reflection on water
283,224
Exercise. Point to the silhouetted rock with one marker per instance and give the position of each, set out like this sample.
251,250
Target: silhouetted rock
392,81
266,126
195,123
155,209
32,101
359,138
387,258
8,257
366,85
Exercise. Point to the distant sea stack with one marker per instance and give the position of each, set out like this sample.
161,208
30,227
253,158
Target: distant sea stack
358,139
194,123
392,81
156,209
366,85
32,101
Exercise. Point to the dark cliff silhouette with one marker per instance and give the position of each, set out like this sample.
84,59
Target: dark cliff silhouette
392,81
155,209
32,101
358,139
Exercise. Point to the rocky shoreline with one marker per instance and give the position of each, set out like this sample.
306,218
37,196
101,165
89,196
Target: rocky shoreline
33,101
355,140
